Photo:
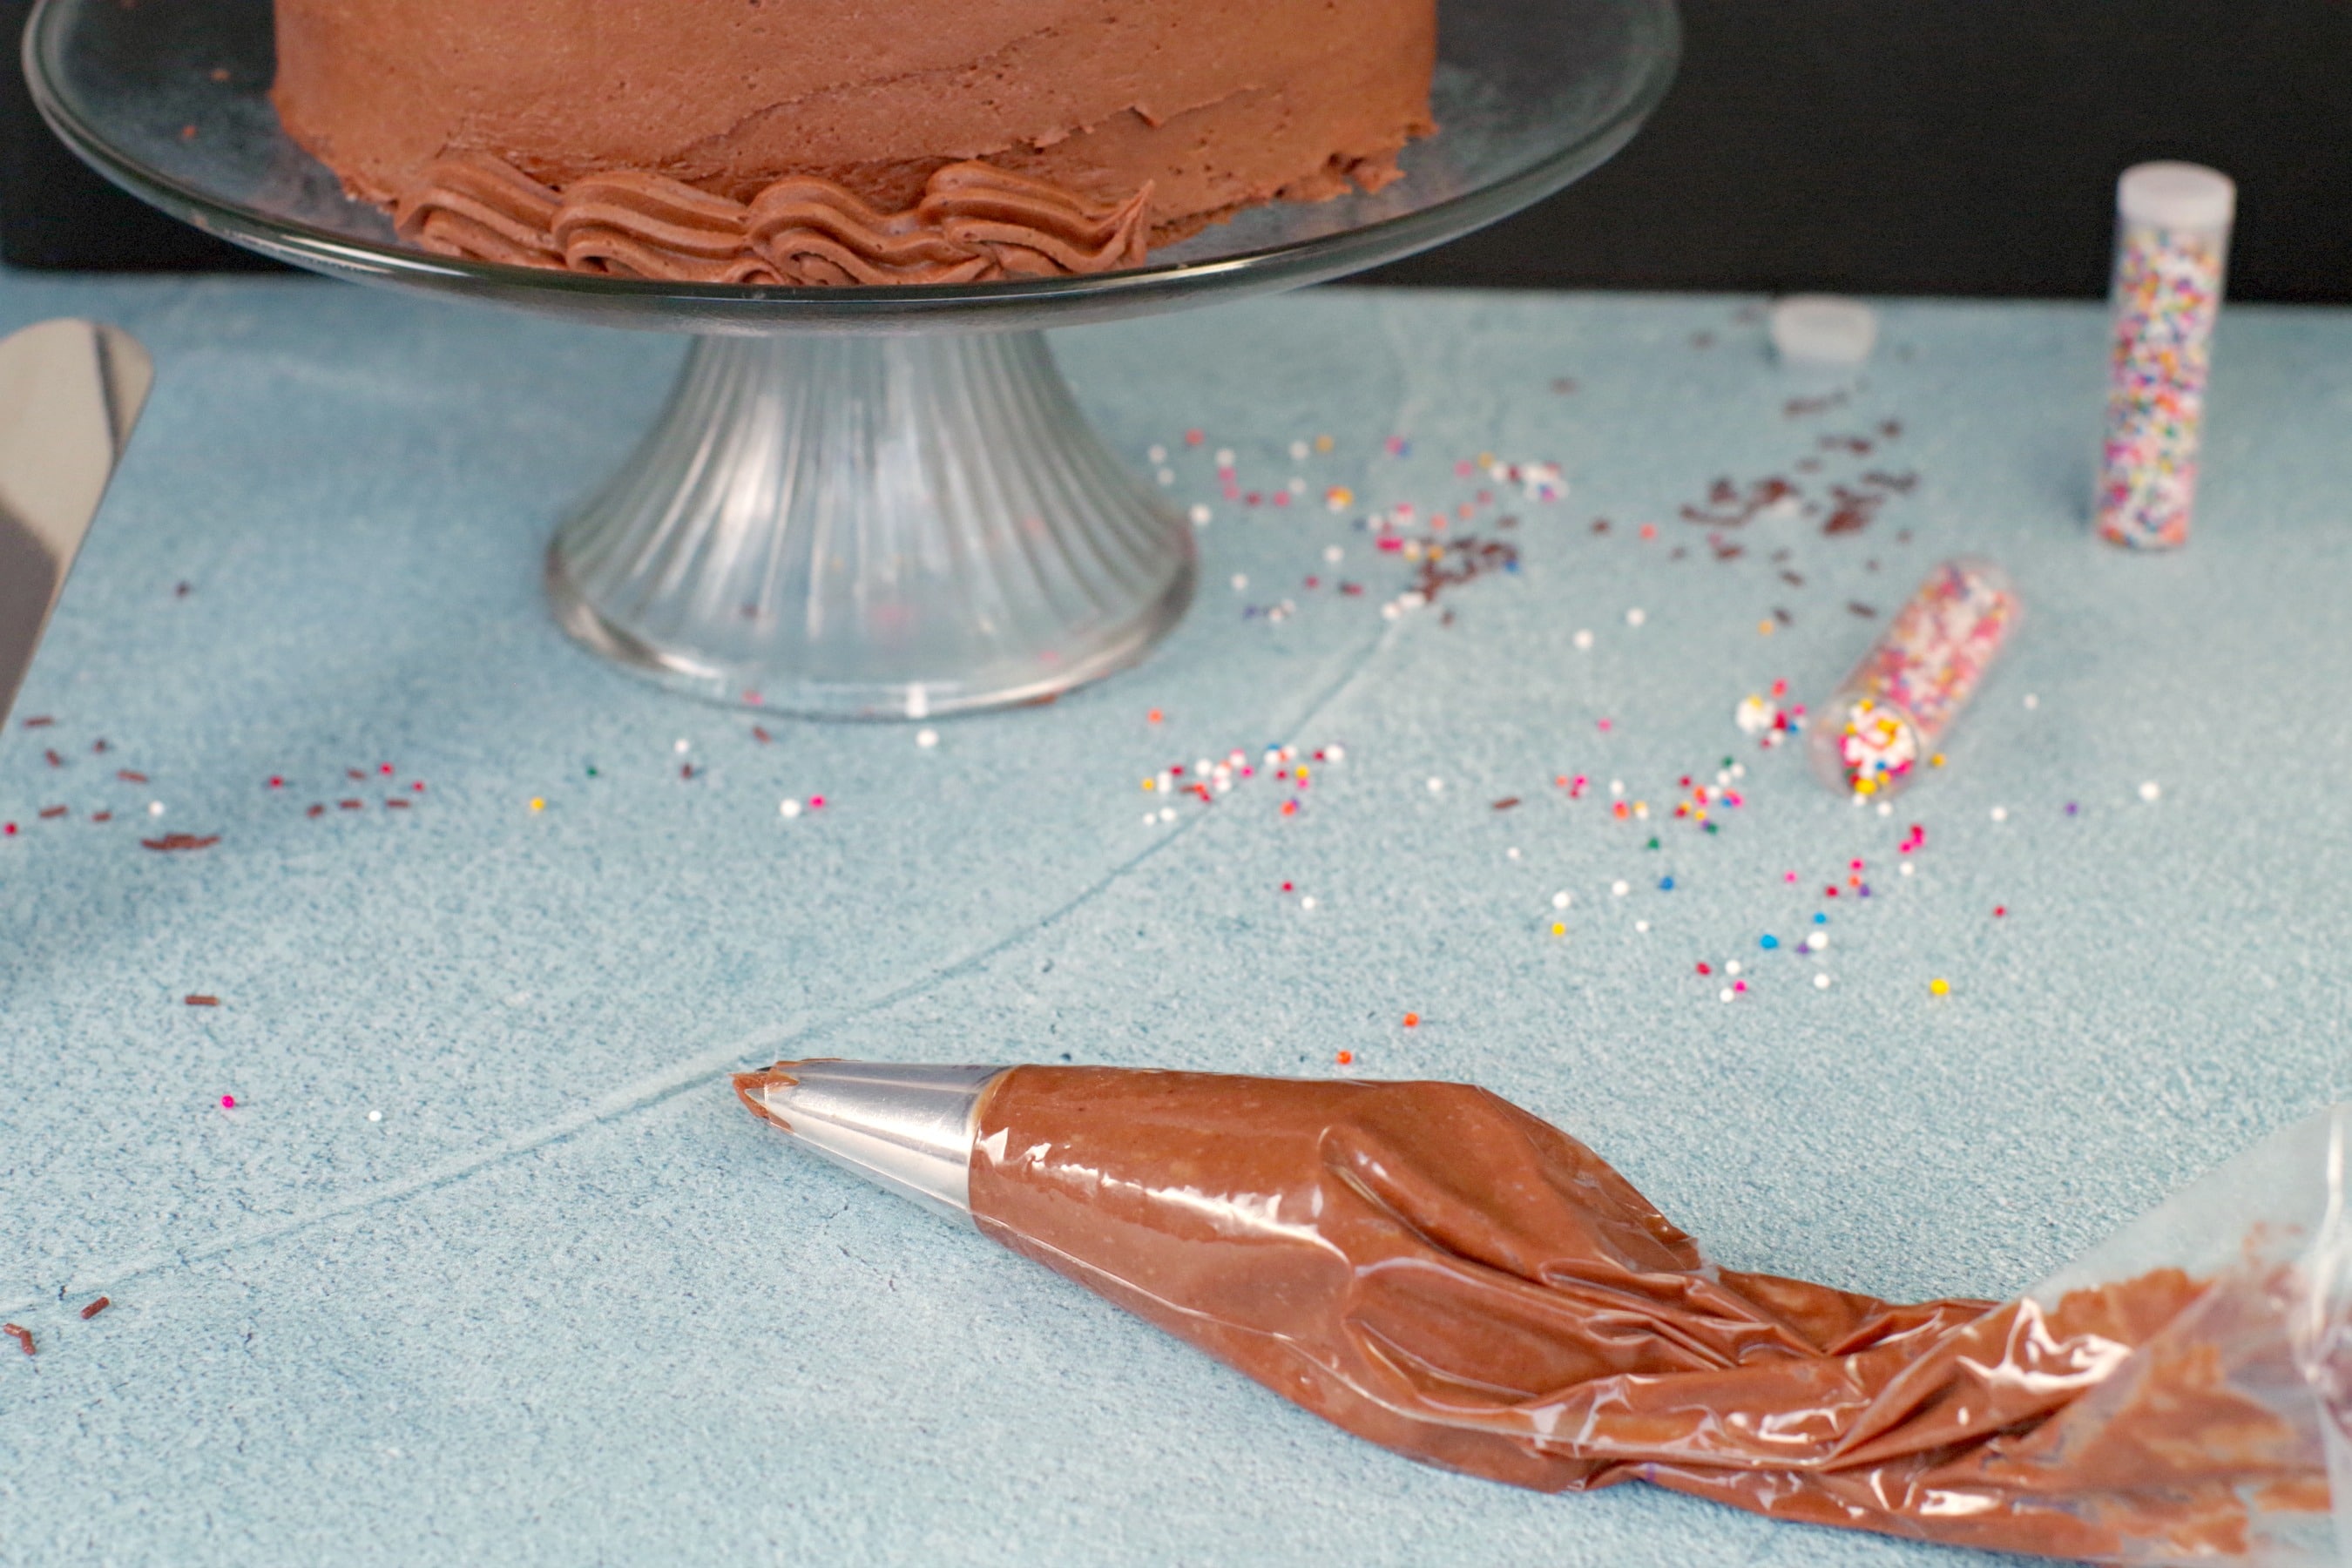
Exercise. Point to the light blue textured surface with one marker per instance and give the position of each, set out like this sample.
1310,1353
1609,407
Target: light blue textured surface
565,1302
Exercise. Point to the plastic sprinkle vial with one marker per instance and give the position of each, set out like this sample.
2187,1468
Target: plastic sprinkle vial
2172,247
1939,987
1894,706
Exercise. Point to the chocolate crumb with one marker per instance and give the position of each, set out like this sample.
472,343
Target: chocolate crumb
1563,385
183,590
1859,608
1784,617
1792,579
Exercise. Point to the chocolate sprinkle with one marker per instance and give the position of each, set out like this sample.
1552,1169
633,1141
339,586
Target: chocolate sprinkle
173,842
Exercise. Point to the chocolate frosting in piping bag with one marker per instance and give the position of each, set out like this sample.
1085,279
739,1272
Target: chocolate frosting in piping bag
1436,1270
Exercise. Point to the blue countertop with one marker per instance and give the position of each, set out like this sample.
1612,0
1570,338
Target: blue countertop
486,1264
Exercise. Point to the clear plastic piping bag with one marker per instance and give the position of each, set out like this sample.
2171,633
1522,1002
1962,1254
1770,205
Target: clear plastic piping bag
1435,1271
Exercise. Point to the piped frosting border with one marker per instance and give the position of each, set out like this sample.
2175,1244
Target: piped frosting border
974,223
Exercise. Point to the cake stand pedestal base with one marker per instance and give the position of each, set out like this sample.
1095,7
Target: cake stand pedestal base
875,527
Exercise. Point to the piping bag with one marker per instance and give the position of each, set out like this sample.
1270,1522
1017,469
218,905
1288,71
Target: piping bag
1436,1270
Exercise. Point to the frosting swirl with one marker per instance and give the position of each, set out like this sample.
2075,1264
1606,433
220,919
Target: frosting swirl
973,223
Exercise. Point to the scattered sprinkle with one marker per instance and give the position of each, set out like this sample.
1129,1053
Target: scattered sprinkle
927,738
1437,787
22,1335
1820,982
95,1308
1620,888
228,1102
172,843
538,803
1635,617
1583,640
375,1116
198,999
2000,813
2150,792
1939,987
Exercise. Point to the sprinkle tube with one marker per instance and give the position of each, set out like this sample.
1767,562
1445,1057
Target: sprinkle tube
1893,710
2172,247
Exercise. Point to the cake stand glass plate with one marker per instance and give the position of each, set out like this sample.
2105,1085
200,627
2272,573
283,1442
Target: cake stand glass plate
860,502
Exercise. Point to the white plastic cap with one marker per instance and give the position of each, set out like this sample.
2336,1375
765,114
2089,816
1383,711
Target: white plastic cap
2177,195
1824,329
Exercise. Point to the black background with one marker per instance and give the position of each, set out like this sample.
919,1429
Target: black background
1872,147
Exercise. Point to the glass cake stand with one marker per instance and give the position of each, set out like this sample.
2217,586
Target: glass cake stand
859,502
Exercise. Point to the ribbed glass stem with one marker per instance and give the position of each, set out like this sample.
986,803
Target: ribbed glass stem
873,527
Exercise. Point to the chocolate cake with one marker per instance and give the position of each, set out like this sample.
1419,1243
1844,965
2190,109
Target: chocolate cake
847,142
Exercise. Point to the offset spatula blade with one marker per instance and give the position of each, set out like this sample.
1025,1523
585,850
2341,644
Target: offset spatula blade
69,393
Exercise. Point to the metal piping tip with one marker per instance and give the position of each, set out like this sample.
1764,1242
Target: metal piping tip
907,1127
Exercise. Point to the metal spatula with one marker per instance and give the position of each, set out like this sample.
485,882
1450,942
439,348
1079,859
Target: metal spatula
69,393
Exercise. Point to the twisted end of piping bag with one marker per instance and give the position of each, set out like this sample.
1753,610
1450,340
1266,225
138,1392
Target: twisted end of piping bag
906,1128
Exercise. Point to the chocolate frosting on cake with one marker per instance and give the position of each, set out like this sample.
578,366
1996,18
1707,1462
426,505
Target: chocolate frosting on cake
847,141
